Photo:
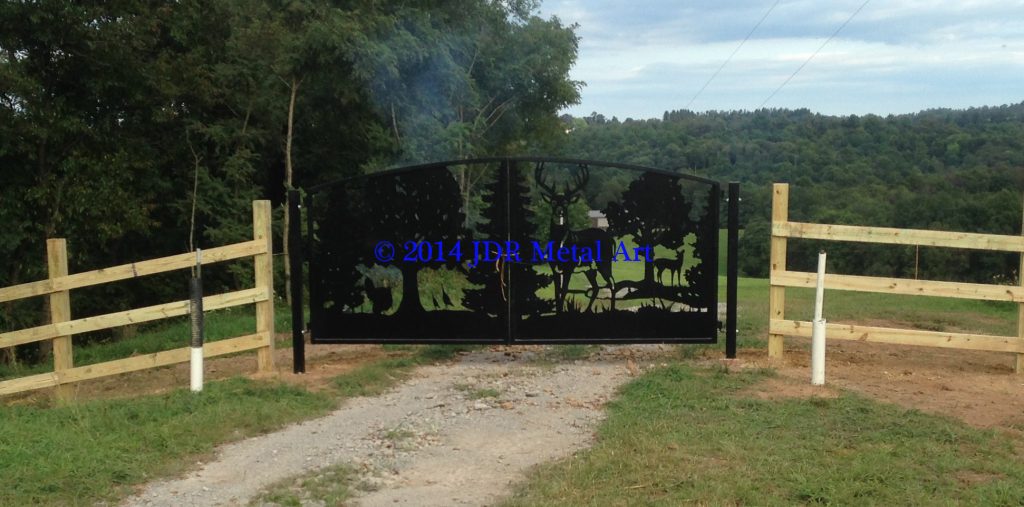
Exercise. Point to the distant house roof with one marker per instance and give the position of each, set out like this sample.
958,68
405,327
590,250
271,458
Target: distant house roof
595,214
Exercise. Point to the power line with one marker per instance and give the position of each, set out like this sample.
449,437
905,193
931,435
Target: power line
727,60
798,69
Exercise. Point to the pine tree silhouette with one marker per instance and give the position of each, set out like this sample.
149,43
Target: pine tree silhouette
507,219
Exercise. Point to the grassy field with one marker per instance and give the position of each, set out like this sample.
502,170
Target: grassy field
162,335
913,312
95,451
689,436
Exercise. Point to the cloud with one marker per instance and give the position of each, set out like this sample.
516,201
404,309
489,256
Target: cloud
642,58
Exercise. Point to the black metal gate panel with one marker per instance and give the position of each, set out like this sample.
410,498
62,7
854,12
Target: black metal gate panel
512,250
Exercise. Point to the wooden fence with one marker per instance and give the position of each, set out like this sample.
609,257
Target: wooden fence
782,229
62,327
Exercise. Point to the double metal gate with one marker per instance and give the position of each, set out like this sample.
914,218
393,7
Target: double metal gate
512,250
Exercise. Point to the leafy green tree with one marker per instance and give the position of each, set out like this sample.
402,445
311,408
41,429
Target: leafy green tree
112,114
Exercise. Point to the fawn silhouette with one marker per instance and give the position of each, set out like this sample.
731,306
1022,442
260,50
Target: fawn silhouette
674,267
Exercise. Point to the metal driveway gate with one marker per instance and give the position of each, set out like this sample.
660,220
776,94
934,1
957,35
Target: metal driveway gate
512,250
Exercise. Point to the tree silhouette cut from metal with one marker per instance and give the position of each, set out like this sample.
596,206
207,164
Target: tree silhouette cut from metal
338,284
507,217
562,236
702,277
655,211
417,206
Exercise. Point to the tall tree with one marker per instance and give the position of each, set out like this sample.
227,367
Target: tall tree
654,210
507,217
416,207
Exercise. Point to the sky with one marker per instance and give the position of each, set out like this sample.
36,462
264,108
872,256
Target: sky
643,57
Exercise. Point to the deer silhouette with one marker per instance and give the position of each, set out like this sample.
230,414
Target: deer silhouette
562,236
674,267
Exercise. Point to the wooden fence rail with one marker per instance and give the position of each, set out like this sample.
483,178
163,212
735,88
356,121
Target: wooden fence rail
62,327
781,278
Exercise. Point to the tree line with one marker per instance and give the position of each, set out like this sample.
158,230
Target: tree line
957,170
123,123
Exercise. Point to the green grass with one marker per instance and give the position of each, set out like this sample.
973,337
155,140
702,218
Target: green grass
398,434
676,436
686,436
554,355
329,486
570,352
159,336
475,393
914,312
94,451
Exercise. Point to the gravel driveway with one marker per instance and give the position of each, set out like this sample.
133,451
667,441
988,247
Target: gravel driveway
460,433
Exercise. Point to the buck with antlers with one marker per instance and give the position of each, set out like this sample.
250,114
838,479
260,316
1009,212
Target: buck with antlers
562,236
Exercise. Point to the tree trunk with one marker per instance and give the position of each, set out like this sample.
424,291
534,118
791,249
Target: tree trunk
288,186
648,262
410,291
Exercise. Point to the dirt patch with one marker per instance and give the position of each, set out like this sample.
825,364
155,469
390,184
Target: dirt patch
325,362
979,388
969,478
784,388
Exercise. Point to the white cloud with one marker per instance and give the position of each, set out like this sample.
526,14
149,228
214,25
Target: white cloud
642,58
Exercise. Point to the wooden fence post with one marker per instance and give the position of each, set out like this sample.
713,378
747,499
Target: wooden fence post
60,311
264,280
777,293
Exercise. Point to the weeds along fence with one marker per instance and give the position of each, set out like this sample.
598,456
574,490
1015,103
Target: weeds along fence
63,327
781,278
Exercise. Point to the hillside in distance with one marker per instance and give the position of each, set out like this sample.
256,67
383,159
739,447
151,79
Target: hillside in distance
959,170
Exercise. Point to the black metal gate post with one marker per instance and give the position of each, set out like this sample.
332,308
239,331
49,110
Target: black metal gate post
731,270
295,262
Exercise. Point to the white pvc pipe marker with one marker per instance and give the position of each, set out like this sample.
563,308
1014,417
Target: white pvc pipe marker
818,328
197,369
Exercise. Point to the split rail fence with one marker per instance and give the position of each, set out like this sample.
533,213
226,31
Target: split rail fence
62,327
781,278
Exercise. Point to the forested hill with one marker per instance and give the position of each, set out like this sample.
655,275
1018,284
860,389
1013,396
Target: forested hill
957,170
